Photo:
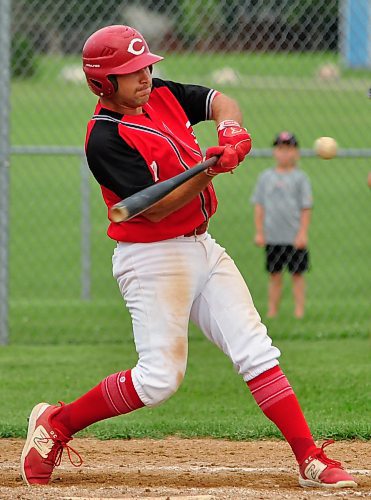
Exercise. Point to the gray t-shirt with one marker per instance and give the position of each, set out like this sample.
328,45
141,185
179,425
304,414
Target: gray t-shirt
283,196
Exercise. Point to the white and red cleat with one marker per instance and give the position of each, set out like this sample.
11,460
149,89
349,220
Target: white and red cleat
44,446
318,470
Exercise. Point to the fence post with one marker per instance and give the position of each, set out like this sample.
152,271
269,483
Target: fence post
85,231
4,166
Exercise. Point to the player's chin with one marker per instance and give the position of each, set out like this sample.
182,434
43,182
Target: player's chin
143,96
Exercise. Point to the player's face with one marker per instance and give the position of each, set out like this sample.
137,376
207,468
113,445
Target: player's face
286,155
133,91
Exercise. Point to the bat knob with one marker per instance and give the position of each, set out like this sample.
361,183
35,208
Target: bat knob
118,214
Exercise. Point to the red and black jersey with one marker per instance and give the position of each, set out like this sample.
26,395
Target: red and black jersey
127,153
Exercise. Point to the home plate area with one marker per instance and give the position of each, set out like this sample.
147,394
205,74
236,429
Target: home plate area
174,468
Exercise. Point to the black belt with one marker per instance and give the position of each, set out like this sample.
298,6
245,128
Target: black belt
201,229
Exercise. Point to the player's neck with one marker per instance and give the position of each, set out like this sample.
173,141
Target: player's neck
120,108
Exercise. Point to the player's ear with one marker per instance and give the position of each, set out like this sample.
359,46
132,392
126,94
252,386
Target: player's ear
113,80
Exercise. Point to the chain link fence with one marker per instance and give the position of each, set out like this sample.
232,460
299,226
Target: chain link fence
299,65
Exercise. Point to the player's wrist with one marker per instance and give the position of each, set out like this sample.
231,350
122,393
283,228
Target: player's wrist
227,123
210,172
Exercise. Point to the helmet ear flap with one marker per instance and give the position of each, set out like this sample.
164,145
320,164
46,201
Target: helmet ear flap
113,80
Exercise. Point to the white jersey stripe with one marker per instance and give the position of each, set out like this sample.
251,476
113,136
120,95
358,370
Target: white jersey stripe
209,100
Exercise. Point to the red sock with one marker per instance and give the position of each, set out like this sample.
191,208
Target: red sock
115,395
277,400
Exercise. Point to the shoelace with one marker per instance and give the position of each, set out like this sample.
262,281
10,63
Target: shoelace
57,455
324,458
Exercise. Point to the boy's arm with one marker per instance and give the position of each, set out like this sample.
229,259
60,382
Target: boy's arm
301,239
259,238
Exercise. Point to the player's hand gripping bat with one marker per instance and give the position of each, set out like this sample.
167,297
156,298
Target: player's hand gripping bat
142,200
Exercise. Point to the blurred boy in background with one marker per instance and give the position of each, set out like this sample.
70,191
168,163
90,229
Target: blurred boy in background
283,203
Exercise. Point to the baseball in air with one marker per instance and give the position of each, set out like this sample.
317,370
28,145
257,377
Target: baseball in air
326,147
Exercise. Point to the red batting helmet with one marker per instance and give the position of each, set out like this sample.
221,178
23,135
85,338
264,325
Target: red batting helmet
114,50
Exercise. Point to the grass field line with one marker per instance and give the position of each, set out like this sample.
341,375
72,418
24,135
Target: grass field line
195,469
297,83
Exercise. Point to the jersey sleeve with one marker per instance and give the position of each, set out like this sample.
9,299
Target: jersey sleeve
306,196
196,100
114,164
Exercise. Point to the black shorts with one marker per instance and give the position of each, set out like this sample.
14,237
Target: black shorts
280,256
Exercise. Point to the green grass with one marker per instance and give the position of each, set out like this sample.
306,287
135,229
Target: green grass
46,110
303,65
329,377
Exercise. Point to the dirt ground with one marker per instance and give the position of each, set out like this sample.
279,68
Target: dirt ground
200,469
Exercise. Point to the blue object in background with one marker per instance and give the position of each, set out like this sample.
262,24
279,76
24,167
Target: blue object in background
357,33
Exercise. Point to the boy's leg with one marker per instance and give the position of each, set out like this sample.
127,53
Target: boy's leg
298,263
298,287
275,261
274,294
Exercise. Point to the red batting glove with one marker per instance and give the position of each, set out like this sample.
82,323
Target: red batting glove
228,159
230,133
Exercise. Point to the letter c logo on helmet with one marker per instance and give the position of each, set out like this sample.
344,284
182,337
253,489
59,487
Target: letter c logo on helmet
134,51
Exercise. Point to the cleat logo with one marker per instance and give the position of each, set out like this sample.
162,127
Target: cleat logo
311,472
314,470
42,442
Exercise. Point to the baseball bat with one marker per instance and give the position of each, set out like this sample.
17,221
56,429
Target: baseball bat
139,202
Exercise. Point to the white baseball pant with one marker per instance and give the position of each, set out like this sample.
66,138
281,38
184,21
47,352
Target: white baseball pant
167,283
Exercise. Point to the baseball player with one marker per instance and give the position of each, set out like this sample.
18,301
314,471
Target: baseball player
168,267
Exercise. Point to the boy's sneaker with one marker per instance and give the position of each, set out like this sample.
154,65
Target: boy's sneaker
44,446
320,471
